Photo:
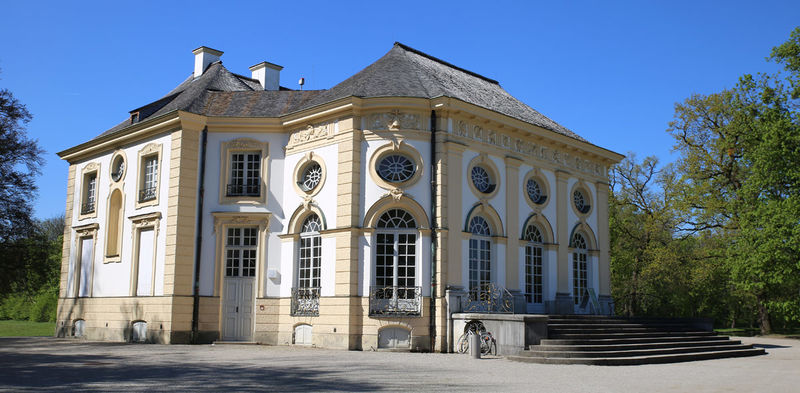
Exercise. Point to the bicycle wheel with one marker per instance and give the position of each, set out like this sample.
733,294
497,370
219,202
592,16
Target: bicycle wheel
462,345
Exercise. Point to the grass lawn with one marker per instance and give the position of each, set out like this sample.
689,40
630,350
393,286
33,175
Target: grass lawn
26,328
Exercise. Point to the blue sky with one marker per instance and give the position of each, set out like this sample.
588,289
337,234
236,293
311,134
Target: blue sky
610,71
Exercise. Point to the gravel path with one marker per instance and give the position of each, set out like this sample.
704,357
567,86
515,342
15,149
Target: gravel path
41,364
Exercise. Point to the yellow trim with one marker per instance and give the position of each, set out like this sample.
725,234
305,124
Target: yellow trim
588,197
487,163
88,169
241,145
587,233
299,216
139,223
396,147
537,175
390,202
82,232
149,150
299,171
488,212
114,255
225,220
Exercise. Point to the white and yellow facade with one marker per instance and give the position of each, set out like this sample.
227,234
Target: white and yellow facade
230,243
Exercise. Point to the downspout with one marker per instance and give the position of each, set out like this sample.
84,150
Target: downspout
432,327
199,241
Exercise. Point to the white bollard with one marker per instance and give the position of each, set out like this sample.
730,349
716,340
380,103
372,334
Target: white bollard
475,345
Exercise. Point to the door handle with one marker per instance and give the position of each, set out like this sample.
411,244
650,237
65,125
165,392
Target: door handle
237,308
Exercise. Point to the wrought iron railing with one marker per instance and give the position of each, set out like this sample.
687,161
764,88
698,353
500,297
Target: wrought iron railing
488,298
244,190
389,301
147,194
87,208
305,301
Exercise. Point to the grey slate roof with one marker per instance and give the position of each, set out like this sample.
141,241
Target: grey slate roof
402,72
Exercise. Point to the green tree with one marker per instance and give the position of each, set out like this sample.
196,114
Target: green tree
20,162
740,176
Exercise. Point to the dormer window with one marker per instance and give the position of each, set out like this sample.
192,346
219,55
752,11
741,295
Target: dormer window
134,117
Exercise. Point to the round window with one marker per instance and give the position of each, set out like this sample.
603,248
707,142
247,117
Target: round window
580,201
535,191
311,177
117,168
396,168
482,180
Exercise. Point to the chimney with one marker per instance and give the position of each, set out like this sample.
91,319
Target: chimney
268,74
203,56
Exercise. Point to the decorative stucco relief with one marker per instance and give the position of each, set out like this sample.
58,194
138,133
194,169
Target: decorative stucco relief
312,132
393,121
558,157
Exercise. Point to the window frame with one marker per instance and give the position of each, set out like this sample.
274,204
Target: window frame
580,263
396,148
138,224
544,186
486,163
299,171
239,146
91,169
149,151
225,220
584,189
480,243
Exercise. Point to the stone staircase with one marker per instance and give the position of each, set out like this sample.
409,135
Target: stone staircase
611,341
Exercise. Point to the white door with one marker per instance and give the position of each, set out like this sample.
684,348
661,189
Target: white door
302,335
394,337
238,309
85,277
144,280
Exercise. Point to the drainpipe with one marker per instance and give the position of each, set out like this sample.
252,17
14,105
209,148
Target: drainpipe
432,327
199,241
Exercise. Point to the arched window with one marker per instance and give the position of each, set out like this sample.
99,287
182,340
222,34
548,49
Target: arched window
533,264
579,268
310,253
396,254
480,255
114,231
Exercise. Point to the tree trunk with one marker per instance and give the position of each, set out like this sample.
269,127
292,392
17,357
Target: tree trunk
763,317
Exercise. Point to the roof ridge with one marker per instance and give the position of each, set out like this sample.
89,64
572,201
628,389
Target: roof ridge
438,60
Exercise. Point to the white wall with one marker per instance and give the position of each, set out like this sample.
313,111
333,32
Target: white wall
113,279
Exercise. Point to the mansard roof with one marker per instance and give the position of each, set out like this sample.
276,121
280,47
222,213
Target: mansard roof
402,72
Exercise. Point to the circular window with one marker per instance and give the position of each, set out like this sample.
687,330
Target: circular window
580,201
482,180
396,168
534,191
117,168
312,176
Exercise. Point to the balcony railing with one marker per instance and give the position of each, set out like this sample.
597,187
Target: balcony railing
147,194
305,301
488,298
390,301
244,190
87,208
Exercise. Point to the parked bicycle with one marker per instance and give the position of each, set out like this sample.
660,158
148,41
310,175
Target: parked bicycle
488,343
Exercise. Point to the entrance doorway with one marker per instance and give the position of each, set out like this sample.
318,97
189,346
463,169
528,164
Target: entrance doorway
241,251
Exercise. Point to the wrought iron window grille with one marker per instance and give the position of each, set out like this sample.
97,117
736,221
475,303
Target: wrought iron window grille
243,190
87,208
392,301
147,194
305,301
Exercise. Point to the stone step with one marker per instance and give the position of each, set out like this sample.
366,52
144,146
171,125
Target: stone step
637,360
614,335
616,329
621,347
628,340
536,352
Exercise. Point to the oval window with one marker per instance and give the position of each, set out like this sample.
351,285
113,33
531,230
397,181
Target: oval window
396,168
482,180
535,191
580,201
311,177
117,168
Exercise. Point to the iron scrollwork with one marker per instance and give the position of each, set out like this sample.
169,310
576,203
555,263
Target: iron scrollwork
488,298
390,301
305,301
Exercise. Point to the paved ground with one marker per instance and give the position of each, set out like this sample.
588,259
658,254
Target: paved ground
41,364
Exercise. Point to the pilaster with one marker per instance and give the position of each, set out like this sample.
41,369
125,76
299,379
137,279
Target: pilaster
603,242
512,222
563,301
